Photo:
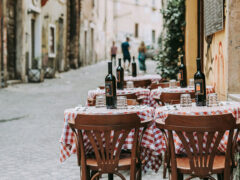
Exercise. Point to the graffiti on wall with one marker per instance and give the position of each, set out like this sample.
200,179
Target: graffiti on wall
214,67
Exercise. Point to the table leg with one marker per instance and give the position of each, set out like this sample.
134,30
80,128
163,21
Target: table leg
110,176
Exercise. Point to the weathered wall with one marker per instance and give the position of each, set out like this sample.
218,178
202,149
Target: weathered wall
215,63
191,38
51,17
3,46
233,46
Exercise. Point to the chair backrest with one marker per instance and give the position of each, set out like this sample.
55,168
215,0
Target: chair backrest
107,134
142,83
201,136
162,85
173,98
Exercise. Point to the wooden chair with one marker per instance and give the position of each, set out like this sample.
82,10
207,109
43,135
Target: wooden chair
201,161
172,98
162,85
140,83
107,134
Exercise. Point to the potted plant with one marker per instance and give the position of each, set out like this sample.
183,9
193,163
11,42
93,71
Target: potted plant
36,73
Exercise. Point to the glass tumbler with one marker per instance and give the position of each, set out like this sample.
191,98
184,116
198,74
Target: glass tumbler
100,101
191,83
185,100
172,83
121,102
130,85
212,100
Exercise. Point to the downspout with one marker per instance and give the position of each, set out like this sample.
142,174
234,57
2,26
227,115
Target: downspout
200,21
2,46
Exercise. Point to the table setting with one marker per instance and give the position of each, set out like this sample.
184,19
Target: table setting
156,93
141,93
150,138
161,113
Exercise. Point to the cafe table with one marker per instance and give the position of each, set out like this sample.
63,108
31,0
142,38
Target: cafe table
141,93
149,142
153,77
156,93
161,113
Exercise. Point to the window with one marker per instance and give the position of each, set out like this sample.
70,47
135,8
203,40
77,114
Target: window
153,36
52,41
136,30
137,1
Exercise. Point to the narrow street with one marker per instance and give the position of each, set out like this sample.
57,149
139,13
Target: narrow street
31,122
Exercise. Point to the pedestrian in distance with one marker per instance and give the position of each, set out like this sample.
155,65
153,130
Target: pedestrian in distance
113,53
142,57
126,53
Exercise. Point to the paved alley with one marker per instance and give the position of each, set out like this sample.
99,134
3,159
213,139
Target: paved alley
31,122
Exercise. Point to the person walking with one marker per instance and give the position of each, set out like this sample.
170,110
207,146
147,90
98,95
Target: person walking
126,53
142,57
113,53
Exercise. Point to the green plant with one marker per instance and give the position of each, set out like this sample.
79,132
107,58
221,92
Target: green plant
171,42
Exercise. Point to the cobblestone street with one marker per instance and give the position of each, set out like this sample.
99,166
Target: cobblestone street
31,122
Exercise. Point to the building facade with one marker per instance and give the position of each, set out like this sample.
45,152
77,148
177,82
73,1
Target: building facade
38,37
105,21
221,51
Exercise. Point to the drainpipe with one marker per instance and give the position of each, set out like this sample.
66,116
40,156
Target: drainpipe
2,46
200,32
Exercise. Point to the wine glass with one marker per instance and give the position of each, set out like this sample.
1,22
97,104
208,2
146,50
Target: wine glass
172,83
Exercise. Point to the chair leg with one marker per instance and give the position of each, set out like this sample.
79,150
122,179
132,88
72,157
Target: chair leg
220,176
110,176
165,166
180,176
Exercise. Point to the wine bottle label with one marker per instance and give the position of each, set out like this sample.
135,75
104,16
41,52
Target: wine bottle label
118,76
180,75
199,87
109,88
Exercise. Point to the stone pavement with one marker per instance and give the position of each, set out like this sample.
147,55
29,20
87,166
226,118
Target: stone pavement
31,121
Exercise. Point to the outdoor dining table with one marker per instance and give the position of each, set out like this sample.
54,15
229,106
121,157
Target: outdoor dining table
139,92
153,77
161,113
149,141
156,93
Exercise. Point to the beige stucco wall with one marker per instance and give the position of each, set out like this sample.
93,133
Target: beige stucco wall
191,38
215,63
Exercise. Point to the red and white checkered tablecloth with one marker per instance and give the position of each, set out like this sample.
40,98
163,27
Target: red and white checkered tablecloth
227,107
152,77
151,140
140,93
156,93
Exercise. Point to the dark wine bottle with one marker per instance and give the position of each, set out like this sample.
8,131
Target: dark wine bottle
134,67
182,74
200,85
120,75
110,89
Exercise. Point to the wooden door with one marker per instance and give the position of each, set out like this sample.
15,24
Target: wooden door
11,39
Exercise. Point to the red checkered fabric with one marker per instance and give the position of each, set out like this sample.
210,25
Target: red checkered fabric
162,113
150,143
156,93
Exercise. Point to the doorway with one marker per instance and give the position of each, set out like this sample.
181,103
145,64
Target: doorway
11,39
